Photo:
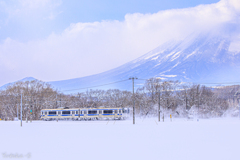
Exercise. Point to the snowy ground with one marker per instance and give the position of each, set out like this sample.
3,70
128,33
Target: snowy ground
208,139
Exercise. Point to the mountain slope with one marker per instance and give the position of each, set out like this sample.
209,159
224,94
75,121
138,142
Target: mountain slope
199,59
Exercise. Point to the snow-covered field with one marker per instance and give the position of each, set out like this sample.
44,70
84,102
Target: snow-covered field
206,139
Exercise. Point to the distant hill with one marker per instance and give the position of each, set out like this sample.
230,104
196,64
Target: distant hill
23,80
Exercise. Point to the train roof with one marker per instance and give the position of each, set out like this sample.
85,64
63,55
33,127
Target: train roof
57,109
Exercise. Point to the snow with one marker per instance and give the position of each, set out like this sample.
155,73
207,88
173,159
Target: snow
152,55
176,65
206,139
155,58
170,54
190,54
28,79
175,56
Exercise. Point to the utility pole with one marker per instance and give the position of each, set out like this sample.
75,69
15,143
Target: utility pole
60,101
236,95
17,111
186,99
159,104
56,100
198,97
239,108
21,109
132,78
31,109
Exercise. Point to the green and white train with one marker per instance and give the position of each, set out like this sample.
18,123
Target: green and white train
85,113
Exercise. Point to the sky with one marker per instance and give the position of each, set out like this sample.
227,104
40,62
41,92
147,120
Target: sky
63,39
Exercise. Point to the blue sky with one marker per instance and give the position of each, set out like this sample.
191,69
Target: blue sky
63,39
35,23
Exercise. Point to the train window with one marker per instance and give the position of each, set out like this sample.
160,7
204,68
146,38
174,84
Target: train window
116,111
100,112
92,112
52,112
76,112
107,111
73,112
46,113
84,112
65,112
120,111
59,112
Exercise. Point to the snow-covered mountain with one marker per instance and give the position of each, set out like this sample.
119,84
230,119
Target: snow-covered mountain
23,80
197,59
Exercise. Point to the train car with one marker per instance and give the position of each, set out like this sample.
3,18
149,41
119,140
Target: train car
84,113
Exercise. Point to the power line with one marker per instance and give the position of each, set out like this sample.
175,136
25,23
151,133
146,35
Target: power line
220,83
136,79
88,87
142,79
96,86
198,82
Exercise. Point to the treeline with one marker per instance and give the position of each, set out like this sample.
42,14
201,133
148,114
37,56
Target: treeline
173,97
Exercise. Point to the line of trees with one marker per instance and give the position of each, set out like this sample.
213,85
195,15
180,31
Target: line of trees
173,97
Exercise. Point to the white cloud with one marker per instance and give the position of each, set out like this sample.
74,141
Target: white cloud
25,9
39,3
88,48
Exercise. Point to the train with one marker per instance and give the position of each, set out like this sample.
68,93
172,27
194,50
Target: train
85,114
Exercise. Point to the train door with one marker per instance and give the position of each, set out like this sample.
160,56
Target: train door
59,114
46,115
115,114
73,114
100,112
84,112
120,114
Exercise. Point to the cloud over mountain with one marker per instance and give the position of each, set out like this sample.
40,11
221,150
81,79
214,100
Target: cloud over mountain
88,48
